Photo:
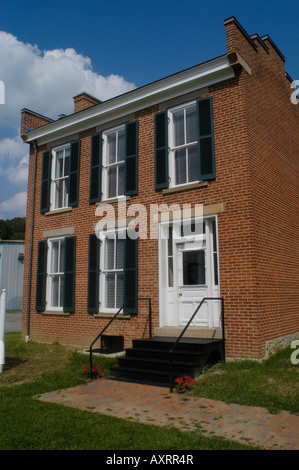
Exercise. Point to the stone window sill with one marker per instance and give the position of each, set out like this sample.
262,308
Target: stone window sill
59,211
56,312
121,316
186,187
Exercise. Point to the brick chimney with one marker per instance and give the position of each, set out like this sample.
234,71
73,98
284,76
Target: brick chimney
84,101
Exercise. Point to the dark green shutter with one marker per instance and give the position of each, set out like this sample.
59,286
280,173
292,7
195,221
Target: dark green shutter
206,139
74,174
41,276
69,274
95,187
93,274
161,150
131,274
131,159
46,182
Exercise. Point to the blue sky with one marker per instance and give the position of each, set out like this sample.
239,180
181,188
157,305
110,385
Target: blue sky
52,50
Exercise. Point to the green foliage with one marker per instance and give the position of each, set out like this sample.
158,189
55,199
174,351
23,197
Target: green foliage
12,229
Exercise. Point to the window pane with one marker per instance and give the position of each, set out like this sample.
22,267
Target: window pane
194,267
111,148
110,290
55,291
121,145
119,262
121,179
170,272
180,166
67,166
119,290
193,163
191,128
109,253
61,267
59,164
54,256
179,129
112,182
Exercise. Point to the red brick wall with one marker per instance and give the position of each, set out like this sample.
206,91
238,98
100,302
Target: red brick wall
256,159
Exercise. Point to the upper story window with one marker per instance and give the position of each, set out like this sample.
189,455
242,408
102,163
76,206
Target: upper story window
183,148
60,177
184,144
113,163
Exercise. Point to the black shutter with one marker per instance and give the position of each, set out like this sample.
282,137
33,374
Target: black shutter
69,274
41,276
95,187
131,273
131,159
161,150
206,139
74,174
93,274
46,182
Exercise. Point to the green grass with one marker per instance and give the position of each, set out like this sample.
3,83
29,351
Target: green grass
273,384
29,424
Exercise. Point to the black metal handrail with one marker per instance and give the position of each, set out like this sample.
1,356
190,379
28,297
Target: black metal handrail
113,318
187,326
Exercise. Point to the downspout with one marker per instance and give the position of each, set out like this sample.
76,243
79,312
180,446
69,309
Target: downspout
27,337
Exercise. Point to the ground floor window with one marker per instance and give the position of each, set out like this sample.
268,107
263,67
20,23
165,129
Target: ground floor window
55,274
112,271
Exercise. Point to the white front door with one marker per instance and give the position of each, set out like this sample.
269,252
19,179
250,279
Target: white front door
189,273
191,283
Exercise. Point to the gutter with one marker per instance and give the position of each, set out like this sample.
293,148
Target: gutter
27,337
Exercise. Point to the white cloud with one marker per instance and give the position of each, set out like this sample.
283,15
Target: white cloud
16,204
47,81
11,148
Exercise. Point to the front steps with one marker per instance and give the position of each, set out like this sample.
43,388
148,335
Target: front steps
148,360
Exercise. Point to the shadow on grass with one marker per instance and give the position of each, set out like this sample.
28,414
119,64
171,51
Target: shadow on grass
12,363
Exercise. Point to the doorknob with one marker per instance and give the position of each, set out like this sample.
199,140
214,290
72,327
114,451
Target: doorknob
180,293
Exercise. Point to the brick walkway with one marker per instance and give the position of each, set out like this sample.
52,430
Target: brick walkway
155,405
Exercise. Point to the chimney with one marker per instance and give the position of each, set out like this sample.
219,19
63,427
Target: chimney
84,101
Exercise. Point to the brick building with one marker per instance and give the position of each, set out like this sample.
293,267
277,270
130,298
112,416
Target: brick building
220,139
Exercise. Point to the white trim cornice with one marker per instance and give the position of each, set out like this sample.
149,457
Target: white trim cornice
189,80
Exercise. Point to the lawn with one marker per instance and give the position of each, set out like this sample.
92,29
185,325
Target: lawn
29,424
273,384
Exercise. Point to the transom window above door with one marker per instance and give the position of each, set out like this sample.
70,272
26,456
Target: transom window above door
113,162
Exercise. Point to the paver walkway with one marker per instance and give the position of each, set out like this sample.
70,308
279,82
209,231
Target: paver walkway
155,405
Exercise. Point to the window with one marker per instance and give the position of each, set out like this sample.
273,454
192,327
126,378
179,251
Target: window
114,163
55,273
112,272
55,284
183,145
60,178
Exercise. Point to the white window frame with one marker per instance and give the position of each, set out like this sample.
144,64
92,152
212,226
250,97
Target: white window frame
106,166
53,199
51,275
104,271
173,147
